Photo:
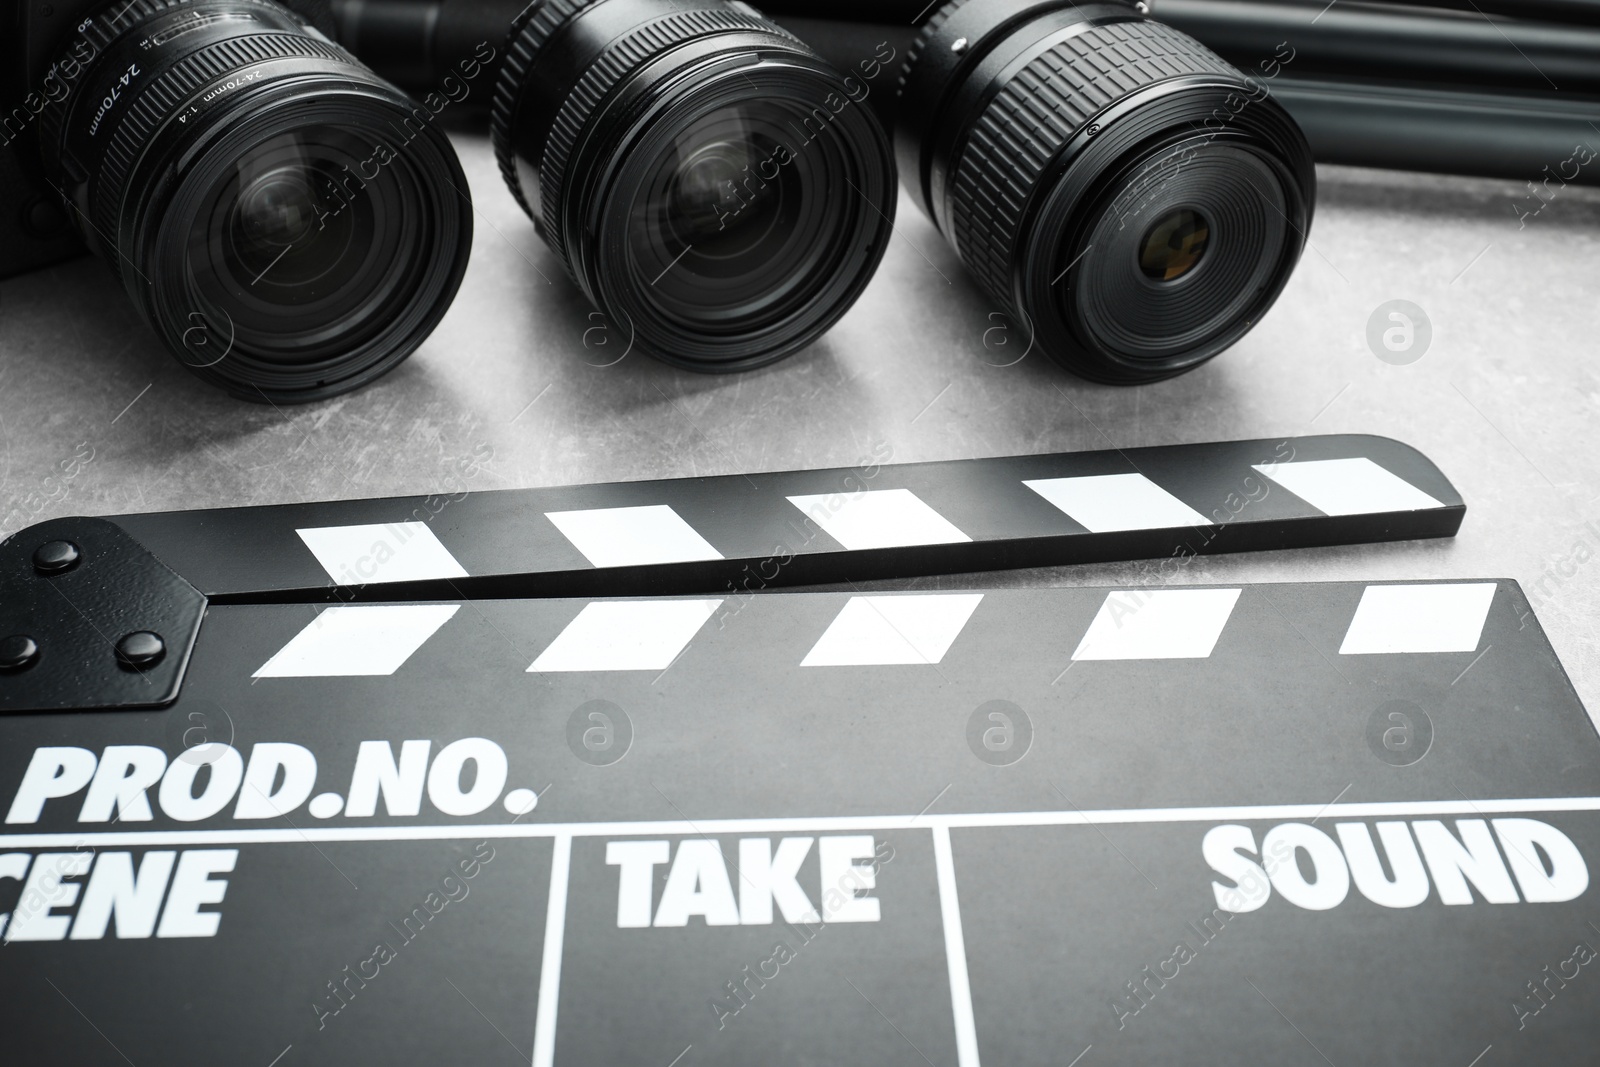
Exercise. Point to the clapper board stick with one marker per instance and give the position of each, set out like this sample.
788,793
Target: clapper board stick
871,521
69,587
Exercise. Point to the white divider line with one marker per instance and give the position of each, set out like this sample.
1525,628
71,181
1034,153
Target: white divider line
955,950
555,930
815,824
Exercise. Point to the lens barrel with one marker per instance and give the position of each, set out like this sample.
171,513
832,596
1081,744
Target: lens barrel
1135,201
291,225
712,185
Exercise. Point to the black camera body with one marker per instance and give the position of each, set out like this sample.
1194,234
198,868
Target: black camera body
42,56
33,227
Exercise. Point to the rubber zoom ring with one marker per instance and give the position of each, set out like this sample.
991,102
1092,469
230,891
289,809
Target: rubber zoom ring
1027,124
101,33
525,39
919,44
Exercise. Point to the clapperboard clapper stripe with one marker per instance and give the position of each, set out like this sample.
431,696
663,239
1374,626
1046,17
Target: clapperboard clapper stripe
1348,823
875,520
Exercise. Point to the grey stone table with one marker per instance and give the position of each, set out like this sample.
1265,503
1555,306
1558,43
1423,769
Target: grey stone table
95,418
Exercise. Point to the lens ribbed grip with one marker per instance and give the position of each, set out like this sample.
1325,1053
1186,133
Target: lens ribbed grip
157,102
530,31
621,59
919,44
1036,114
100,32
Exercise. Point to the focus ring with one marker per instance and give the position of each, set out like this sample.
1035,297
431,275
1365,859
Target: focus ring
175,85
1027,124
526,38
619,61
101,32
919,44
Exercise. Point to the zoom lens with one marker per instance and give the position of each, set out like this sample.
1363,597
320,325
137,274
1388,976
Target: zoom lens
291,225
717,190
1134,201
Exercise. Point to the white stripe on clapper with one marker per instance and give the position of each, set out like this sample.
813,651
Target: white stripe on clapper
1348,486
555,929
955,950
381,552
1390,809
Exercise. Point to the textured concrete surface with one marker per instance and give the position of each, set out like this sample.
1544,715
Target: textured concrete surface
1505,400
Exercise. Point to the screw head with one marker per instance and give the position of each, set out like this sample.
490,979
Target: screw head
1094,128
18,652
141,649
959,45
56,557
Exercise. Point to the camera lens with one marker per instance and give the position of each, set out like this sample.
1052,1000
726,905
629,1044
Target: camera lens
716,189
292,226
1134,201
1174,245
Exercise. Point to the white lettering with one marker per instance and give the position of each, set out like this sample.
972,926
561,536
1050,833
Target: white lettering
1524,840
125,772
1331,881
764,878
1223,848
698,884
258,799
1410,886
177,786
842,878
113,889
45,890
1474,856
376,772
636,880
52,773
489,776
193,886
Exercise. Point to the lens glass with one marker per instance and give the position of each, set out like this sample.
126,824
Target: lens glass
732,227
306,244
1174,245
1177,287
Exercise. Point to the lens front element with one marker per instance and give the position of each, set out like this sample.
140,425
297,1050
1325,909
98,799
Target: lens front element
725,220
1173,246
285,244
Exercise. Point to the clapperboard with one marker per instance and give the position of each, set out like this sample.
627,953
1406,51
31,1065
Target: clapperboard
417,782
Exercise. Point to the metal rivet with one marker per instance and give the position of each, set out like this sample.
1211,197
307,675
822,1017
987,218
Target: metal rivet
56,557
18,652
959,46
141,649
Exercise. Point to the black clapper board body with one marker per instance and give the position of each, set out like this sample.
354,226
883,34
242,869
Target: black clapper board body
1294,824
